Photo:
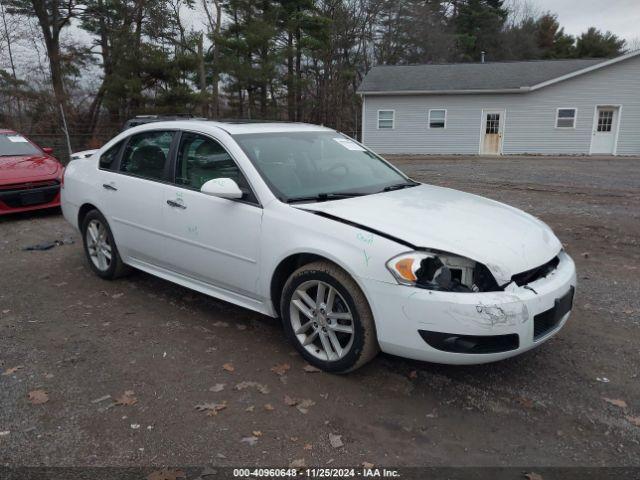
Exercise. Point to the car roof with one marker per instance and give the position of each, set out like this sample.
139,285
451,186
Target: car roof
233,127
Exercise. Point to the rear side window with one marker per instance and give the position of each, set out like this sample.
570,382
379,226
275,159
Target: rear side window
146,154
108,158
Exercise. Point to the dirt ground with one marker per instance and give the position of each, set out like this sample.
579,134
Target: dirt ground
86,342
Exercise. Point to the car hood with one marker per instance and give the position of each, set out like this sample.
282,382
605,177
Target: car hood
27,167
507,240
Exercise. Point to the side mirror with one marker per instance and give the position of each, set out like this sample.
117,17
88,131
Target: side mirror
48,150
222,187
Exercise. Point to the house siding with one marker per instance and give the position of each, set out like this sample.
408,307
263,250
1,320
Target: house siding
529,126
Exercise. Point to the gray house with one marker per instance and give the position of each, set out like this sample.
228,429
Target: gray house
540,107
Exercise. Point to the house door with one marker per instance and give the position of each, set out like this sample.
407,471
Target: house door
492,129
605,128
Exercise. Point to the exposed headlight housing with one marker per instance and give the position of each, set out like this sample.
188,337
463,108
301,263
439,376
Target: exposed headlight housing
441,271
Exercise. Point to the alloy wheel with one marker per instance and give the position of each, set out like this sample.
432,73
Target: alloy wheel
98,245
321,320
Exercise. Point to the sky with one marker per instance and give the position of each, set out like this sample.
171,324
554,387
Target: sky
621,17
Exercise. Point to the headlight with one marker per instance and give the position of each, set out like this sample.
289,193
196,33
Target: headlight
441,271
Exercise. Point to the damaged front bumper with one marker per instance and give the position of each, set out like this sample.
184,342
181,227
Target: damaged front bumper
470,328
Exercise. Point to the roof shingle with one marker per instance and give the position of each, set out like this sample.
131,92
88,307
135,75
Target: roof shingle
468,76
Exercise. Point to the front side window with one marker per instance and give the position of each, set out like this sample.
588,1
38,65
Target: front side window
437,118
13,145
146,154
201,159
566,118
108,158
322,164
385,118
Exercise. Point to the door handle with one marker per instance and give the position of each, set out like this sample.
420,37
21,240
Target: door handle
107,186
173,204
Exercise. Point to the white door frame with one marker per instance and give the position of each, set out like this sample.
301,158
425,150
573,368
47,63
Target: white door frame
617,126
483,127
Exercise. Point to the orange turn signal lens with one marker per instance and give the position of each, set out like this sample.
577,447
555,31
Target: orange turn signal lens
405,268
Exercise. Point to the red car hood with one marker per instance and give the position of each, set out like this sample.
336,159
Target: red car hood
27,168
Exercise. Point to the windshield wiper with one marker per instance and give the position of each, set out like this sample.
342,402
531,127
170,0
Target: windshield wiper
323,197
399,186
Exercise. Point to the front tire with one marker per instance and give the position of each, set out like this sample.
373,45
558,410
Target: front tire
328,319
100,247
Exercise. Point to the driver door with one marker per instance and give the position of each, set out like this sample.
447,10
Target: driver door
210,239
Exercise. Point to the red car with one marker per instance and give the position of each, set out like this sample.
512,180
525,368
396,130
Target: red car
29,176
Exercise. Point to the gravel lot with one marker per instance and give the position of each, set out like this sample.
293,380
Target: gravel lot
80,339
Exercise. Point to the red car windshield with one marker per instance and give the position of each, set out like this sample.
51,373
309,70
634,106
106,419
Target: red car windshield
14,144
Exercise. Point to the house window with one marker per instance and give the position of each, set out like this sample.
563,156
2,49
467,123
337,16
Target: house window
566,118
437,118
605,120
385,118
493,123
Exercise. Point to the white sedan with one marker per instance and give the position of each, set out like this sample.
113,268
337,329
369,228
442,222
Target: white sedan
301,222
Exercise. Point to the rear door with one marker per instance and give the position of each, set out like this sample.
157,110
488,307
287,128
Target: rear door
492,131
210,239
133,195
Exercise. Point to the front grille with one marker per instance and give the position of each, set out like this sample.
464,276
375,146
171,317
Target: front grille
537,273
475,344
547,321
27,185
28,194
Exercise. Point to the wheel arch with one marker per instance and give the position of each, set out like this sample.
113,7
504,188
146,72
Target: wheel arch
82,212
291,263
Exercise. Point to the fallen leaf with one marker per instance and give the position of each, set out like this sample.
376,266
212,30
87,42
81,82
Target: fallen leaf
281,368
257,433
298,463
250,408
258,386
268,407
135,426
117,295
413,374
126,398
212,409
4,433
166,474
616,402
11,371
218,387
307,446
367,465
633,420
220,324
228,367
38,397
525,402
311,369
49,376
292,402
250,440
335,440
304,405
533,476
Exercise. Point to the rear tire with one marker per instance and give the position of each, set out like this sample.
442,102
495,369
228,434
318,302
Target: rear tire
328,319
100,247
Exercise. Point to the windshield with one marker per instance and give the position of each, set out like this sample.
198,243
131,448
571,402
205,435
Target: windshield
13,144
305,165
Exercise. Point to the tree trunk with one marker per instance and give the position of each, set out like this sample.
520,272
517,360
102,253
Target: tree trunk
204,101
291,93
